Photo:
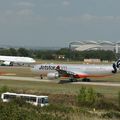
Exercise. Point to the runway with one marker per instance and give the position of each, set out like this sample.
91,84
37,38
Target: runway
57,81
24,79
99,84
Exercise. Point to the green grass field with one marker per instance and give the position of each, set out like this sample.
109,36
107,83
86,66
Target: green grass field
59,93
48,87
19,71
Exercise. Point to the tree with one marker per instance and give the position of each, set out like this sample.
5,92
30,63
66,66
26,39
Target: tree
13,52
23,52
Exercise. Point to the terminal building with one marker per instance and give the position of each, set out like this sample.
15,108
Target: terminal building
93,45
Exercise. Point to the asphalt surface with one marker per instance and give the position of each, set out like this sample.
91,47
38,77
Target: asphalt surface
56,81
24,79
99,84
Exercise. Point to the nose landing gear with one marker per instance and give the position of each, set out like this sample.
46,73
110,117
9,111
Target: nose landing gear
41,76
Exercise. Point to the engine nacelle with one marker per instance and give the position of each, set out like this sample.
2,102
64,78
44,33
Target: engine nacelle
53,75
7,63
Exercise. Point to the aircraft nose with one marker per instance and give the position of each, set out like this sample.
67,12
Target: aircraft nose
33,60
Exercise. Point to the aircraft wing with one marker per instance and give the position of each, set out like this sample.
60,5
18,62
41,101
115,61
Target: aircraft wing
71,73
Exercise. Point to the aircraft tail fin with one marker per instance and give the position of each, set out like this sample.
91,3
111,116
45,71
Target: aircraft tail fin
118,63
116,66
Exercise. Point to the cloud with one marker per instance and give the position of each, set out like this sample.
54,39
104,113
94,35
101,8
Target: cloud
7,12
25,12
20,16
25,4
65,3
87,18
92,18
13,13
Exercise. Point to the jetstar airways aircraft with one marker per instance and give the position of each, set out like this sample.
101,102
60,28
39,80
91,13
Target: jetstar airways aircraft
75,71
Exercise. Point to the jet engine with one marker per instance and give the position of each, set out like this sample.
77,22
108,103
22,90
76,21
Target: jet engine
7,63
53,75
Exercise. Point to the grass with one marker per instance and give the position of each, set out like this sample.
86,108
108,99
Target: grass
55,88
19,71
39,61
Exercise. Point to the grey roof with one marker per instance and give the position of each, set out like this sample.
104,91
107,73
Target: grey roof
107,42
94,42
118,42
91,42
77,42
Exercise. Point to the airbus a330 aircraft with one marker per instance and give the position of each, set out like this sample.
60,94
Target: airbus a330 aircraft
9,60
75,71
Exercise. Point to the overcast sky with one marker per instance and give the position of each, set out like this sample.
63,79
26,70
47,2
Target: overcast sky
58,22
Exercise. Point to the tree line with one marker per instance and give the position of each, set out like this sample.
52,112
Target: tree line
65,52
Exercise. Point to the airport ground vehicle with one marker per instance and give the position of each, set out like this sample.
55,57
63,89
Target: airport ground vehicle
32,99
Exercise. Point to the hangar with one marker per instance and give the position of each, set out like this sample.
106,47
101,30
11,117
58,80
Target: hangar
94,45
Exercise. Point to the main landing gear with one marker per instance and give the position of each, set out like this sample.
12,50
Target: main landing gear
73,80
85,80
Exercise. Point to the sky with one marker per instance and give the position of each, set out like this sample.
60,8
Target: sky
56,23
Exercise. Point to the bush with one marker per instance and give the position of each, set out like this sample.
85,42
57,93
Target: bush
86,97
89,98
4,89
81,97
119,98
59,107
20,110
111,114
105,104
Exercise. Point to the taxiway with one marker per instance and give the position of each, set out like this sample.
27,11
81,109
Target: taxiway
35,79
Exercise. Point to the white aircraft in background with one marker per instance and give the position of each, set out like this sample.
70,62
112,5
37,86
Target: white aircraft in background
10,60
75,71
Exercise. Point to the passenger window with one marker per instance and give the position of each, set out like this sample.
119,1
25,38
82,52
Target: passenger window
39,100
43,100
6,96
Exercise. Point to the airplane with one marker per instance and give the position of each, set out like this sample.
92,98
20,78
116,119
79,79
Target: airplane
10,60
76,71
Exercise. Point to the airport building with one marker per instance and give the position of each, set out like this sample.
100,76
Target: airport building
93,45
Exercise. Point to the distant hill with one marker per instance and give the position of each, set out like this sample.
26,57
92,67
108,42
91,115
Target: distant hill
30,47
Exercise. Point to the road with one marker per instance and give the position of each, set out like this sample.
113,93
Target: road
56,81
